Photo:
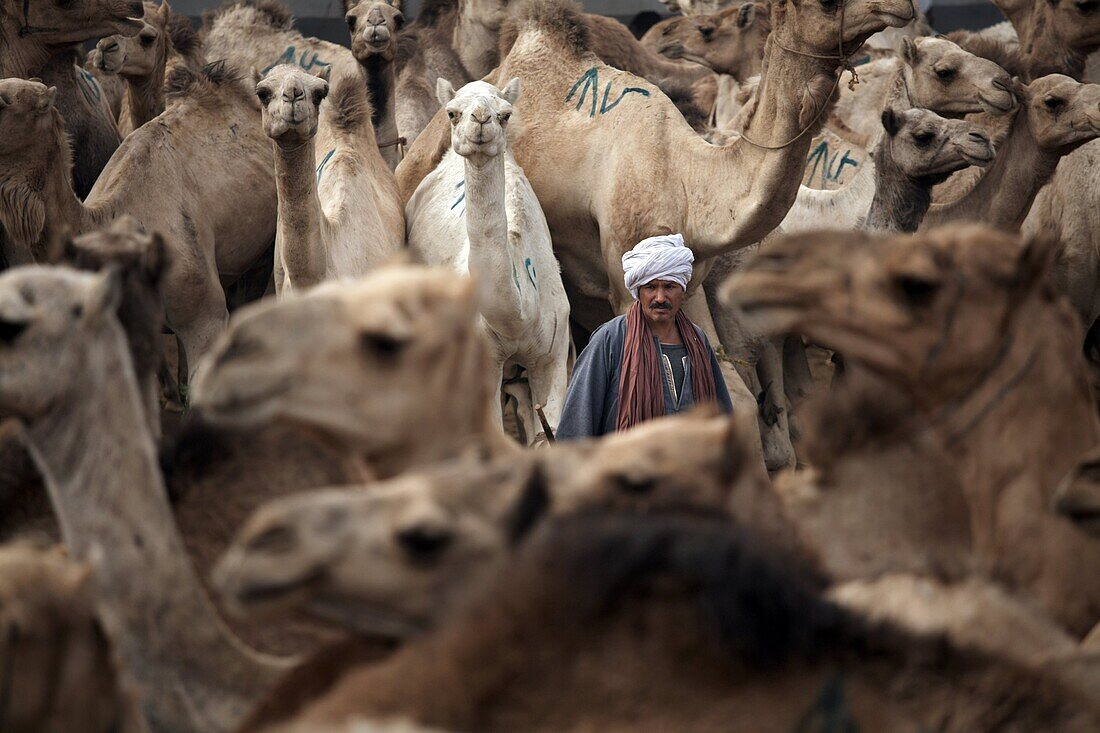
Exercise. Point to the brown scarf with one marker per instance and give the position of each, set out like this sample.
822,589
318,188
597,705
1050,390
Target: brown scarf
641,391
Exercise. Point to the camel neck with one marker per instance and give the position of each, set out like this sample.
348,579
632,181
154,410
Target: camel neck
22,57
100,469
900,202
299,245
382,82
476,46
1003,196
794,88
500,280
145,95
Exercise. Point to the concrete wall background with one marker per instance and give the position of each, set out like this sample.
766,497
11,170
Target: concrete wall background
325,18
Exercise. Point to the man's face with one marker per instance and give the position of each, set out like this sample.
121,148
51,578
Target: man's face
661,300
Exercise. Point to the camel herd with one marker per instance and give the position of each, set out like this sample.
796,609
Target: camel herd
286,329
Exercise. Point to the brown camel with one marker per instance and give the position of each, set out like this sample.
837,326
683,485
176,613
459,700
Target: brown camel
1055,36
166,41
621,621
214,227
58,672
42,40
374,27
962,320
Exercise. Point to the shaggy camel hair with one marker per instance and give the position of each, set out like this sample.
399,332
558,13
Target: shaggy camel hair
374,27
617,621
963,320
214,232
39,40
498,234
166,40
58,672
339,219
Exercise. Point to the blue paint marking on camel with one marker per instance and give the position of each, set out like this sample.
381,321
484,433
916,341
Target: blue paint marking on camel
89,87
324,162
527,264
831,168
515,276
290,56
461,196
591,81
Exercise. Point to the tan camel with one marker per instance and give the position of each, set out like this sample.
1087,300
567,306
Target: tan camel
962,319
616,621
374,25
339,219
40,40
213,200
166,40
1056,36
1057,115
396,376
58,672
195,675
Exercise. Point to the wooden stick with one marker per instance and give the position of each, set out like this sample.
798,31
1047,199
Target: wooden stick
549,431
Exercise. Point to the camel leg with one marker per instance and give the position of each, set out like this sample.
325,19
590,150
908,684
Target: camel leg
778,451
549,381
798,380
195,304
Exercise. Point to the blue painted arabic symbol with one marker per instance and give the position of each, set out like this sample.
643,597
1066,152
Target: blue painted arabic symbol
89,87
831,168
591,81
324,162
289,57
530,271
461,196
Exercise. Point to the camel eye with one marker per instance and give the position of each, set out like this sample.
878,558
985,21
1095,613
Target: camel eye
399,21
707,33
263,94
382,345
424,544
1087,7
946,74
452,115
148,40
11,330
918,291
829,4
504,117
351,19
923,138
1054,104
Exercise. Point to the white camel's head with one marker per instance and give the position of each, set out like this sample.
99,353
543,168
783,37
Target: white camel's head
51,320
479,115
373,25
944,78
138,55
291,100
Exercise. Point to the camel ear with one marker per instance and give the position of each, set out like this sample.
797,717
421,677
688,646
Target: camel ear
165,11
325,72
105,294
530,507
1034,262
396,5
255,75
890,121
511,91
746,15
444,91
46,99
910,54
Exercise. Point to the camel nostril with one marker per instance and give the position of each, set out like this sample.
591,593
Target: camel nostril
977,137
10,330
111,47
1003,84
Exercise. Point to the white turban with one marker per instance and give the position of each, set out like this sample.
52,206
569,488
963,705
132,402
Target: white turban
657,258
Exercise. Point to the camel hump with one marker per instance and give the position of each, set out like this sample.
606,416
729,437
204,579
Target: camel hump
182,34
271,12
185,82
351,110
561,19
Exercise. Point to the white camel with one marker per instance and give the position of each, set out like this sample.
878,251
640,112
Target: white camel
339,218
477,213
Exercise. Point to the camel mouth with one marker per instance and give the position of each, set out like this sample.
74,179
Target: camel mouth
367,620
981,159
251,596
998,109
894,20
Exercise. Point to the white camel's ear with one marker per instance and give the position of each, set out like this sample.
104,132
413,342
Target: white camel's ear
511,91
910,54
105,294
164,11
325,73
397,5
257,77
746,15
444,91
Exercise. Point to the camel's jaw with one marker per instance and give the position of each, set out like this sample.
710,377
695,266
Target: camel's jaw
366,619
254,596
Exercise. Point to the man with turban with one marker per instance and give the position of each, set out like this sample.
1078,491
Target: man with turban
652,361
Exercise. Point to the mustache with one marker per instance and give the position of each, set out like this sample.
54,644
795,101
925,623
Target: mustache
660,307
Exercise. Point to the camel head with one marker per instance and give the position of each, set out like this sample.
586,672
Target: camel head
1063,114
730,41
51,321
373,26
1074,23
696,7
393,558
291,101
390,362
51,639
479,114
927,147
27,113
488,13
814,26
943,77
58,22
140,55
927,312
1078,496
